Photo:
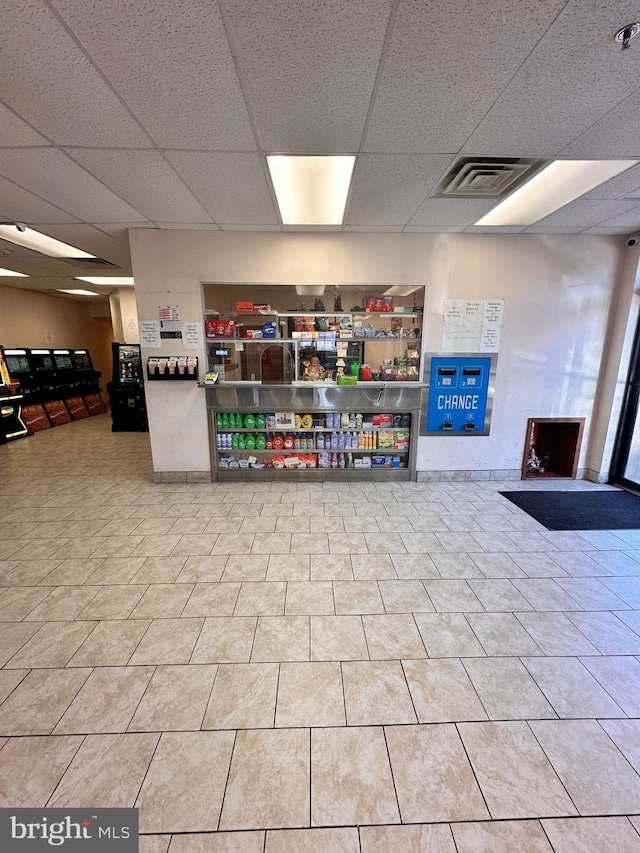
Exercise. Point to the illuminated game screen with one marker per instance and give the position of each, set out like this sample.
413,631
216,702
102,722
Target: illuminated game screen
17,363
63,362
82,361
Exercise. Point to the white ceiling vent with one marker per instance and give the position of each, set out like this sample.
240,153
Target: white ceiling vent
90,263
484,177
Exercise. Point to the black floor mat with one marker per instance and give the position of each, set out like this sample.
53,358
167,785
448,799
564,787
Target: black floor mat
597,510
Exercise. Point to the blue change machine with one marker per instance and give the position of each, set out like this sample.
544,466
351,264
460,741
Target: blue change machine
460,395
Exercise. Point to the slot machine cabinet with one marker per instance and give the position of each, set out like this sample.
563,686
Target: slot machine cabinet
44,374
19,369
126,390
12,425
88,378
66,378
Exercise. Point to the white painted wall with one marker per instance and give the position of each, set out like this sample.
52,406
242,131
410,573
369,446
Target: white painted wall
557,291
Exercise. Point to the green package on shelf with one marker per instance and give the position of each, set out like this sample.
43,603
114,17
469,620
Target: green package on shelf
261,421
249,421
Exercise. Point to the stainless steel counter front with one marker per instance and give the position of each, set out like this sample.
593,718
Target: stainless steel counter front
406,398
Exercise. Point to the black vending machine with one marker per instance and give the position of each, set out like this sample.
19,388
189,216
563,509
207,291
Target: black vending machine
126,390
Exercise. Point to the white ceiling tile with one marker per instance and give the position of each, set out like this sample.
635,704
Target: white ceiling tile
433,229
193,226
120,230
89,239
617,134
231,226
625,185
389,188
446,65
584,213
171,63
50,82
630,219
575,75
494,229
603,229
14,132
232,187
49,173
451,211
554,229
367,229
19,205
307,90
145,180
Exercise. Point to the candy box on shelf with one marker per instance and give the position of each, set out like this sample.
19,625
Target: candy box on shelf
378,303
385,438
244,306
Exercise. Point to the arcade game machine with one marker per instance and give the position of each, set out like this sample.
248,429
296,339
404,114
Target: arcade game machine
126,390
11,424
48,385
68,384
88,381
20,373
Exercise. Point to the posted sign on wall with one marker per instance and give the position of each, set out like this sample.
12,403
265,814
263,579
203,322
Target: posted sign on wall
458,395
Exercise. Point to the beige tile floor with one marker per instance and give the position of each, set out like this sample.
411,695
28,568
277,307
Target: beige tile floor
312,667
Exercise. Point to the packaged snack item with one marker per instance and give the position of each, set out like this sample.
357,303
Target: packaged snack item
277,461
385,438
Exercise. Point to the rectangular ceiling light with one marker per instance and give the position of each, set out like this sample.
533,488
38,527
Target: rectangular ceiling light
402,290
557,184
310,289
79,292
311,190
23,236
12,272
109,280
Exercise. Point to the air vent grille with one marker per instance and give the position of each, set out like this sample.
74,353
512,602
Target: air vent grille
90,263
483,177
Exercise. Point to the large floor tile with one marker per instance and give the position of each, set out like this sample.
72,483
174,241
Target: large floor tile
243,697
106,772
222,842
168,641
432,775
39,701
570,688
309,599
585,835
261,599
448,635
502,634
596,775
424,839
338,638
442,691
351,780
225,640
393,636
501,837
506,689
107,700
554,634
376,693
175,699
184,786
620,677
13,635
281,638
607,633
268,785
212,599
31,767
357,597
111,643
310,694
515,776
342,840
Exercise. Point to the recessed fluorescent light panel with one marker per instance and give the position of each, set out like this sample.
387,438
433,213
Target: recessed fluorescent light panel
79,292
556,185
310,289
110,280
311,190
402,290
30,239
12,272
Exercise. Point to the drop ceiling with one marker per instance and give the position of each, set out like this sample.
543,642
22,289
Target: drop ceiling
158,114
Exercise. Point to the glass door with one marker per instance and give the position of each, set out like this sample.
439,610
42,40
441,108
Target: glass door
625,469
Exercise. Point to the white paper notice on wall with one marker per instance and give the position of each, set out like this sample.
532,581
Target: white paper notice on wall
132,324
150,333
471,325
192,336
491,324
